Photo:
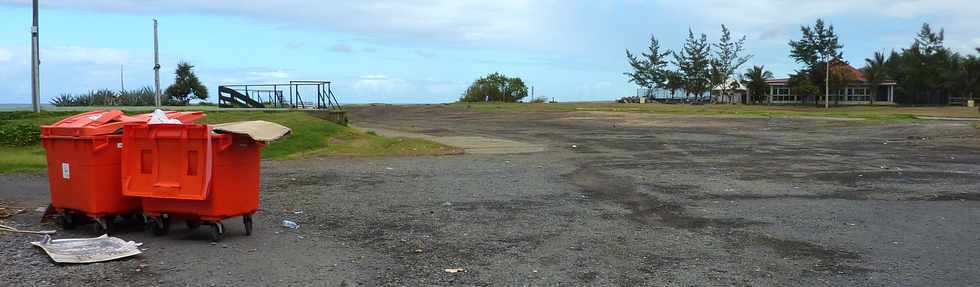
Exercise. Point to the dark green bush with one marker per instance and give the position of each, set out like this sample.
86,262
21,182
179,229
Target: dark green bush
19,134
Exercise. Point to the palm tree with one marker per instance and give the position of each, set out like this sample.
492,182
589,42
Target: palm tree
754,80
875,73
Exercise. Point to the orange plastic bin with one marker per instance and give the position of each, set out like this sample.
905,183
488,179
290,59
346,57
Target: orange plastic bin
185,171
83,157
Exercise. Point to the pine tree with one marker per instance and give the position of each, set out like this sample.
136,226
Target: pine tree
727,58
184,85
694,62
649,71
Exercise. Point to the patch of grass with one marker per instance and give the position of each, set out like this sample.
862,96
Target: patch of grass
874,113
351,142
311,136
21,159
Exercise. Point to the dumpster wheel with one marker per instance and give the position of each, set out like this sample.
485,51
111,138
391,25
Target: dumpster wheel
160,225
247,219
217,231
192,224
66,220
104,224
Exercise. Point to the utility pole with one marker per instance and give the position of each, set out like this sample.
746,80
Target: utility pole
156,63
122,82
35,65
826,81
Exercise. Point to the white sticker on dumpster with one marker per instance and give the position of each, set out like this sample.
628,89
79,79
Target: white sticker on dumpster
65,170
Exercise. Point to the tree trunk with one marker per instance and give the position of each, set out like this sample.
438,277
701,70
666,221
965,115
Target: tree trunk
874,94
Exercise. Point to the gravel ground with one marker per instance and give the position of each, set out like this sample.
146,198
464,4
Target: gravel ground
640,200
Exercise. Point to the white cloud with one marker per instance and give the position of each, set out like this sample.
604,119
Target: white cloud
460,21
5,56
84,55
269,75
341,48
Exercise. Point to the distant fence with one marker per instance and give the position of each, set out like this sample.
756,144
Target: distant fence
295,94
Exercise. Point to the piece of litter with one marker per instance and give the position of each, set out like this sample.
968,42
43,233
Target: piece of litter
298,212
455,270
389,168
290,224
88,250
15,230
574,146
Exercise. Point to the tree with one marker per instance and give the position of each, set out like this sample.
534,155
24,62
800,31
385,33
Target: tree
802,84
650,70
875,73
817,47
754,80
840,77
727,58
495,87
185,84
971,75
675,81
694,62
925,71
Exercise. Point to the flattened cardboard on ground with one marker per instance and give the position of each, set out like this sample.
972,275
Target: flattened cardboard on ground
87,250
257,130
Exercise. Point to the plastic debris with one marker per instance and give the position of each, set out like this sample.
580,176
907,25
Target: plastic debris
160,117
290,224
455,270
88,250
15,230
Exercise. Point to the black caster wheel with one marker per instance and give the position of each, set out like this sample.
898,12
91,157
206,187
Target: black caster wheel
248,224
217,231
104,225
66,220
192,224
160,226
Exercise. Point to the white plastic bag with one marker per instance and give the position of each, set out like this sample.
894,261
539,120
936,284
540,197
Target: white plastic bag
160,117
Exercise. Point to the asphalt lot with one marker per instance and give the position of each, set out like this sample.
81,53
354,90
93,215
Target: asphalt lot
615,199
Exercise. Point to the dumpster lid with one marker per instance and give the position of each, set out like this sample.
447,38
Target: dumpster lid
88,123
103,122
257,130
183,117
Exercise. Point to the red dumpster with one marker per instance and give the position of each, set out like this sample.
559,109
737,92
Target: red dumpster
185,171
83,157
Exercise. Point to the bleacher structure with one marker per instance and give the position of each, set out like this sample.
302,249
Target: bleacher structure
298,95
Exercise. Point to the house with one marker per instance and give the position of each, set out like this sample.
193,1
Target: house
858,92
734,93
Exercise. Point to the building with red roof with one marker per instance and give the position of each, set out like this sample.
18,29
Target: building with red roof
857,92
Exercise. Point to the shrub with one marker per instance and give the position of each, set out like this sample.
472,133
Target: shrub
495,87
19,134
138,97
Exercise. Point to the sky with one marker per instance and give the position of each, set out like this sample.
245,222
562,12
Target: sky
428,51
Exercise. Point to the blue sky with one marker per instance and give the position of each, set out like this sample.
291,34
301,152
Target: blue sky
423,51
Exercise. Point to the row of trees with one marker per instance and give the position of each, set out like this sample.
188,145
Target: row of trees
927,72
697,66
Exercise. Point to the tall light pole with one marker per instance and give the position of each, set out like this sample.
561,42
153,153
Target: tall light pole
35,66
826,81
156,63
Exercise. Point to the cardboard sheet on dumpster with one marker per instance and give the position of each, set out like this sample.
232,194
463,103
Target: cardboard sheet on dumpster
88,250
257,130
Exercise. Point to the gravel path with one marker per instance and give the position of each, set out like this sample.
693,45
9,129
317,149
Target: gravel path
696,201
